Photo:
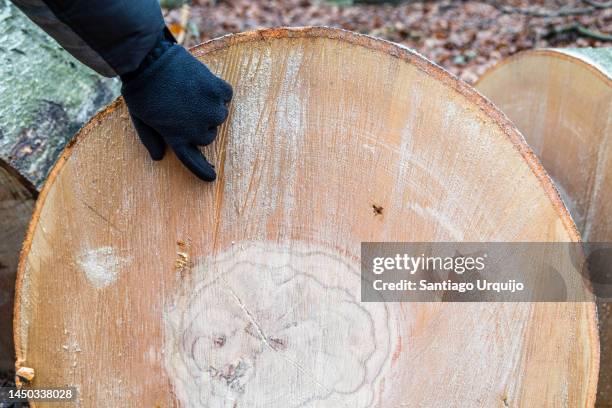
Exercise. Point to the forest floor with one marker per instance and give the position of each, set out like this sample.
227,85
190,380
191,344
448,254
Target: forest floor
465,37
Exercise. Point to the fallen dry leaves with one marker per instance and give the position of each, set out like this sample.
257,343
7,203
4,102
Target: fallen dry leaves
465,37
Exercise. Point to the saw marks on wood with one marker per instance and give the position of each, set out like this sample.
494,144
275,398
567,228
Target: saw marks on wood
562,102
244,292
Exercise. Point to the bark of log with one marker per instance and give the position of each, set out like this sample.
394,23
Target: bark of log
45,97
160,290
561,100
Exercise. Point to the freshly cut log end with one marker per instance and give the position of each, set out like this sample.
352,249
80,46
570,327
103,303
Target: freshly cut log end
17,197
561,100
161,290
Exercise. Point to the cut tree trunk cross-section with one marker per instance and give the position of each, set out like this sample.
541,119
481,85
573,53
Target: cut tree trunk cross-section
561,100
161,290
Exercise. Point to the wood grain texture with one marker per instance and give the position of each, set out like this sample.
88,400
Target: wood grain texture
562,102
142,286
17,197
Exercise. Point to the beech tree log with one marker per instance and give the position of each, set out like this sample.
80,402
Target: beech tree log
46,96
561,100
142,286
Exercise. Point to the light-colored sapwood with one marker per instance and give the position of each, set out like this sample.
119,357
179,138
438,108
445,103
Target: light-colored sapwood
561,100
143,286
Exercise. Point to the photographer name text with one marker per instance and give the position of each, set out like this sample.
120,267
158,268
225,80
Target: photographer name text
411,265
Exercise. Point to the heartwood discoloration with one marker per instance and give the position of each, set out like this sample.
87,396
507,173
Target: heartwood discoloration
263,317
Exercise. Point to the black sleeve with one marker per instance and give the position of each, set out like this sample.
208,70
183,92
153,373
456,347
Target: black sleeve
110,36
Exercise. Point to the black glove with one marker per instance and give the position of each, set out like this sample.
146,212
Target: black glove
175,100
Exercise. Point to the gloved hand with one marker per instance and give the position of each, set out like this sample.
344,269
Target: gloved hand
176,101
